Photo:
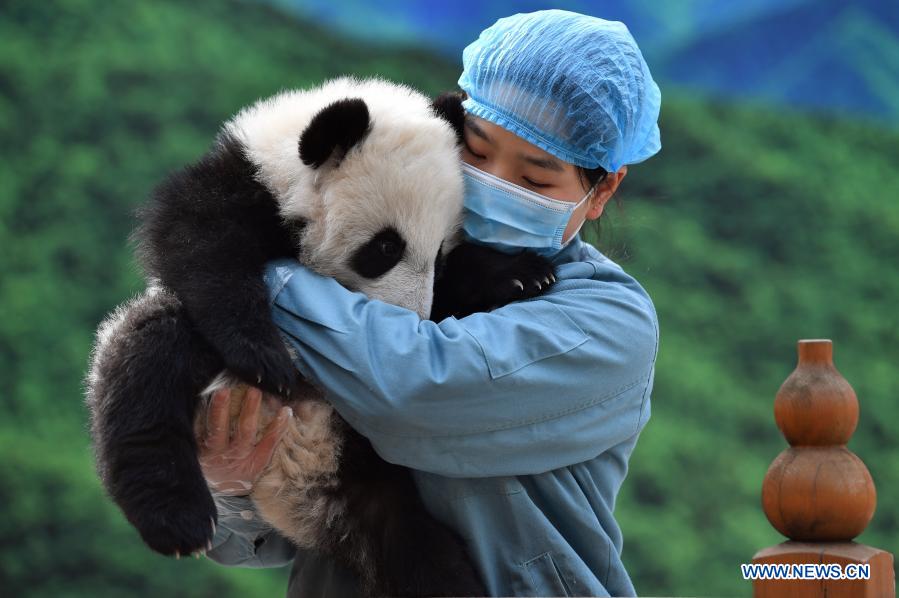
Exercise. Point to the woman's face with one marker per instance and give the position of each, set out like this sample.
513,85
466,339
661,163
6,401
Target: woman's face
493,149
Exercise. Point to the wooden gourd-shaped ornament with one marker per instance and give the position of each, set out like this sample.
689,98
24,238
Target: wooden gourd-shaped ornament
817,492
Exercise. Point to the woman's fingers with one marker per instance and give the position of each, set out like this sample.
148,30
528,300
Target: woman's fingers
249,419
232,465
273,433
217,420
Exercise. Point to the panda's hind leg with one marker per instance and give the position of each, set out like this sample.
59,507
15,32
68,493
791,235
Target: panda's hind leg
147,370
419,556
387,535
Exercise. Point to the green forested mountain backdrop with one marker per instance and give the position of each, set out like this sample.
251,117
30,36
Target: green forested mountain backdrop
750,230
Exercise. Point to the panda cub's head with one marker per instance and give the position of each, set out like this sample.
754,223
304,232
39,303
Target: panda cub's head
372,172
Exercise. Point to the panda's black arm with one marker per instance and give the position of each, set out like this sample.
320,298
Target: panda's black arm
147,369
206,234
475,278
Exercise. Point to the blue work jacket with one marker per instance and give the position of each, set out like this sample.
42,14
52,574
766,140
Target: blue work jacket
518,423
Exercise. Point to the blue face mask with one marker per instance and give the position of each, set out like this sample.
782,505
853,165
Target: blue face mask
509,218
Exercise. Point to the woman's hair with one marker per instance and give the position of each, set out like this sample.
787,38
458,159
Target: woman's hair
591,175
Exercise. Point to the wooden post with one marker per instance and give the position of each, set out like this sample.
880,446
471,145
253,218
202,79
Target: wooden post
817,492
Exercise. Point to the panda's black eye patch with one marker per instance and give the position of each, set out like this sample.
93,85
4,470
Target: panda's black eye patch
381,253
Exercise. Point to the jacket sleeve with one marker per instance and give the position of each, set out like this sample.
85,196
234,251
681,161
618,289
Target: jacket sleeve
529,387
243,539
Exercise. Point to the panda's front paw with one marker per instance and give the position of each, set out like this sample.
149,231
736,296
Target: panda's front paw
264,365
523,276
477,278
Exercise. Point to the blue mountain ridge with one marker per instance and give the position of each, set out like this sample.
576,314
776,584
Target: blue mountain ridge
830,55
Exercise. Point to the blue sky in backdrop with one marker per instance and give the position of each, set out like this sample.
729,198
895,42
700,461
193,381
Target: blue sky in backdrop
831,55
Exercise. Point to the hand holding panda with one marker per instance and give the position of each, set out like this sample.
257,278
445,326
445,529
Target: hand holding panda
359,180
232,466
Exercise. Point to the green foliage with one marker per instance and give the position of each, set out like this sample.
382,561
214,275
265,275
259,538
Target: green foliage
750,230
66,541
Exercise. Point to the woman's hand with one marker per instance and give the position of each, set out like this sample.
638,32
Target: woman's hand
233,465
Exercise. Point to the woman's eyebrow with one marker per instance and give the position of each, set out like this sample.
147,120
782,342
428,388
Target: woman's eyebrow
548,163
477,130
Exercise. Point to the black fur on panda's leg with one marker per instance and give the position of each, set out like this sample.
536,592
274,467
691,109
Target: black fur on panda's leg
476,278
206,234
387,535
147,370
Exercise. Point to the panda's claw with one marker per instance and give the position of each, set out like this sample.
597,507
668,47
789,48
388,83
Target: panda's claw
261,360
546,280
537,284
552,277
519,284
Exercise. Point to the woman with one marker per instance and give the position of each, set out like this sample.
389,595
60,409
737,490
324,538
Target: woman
518,423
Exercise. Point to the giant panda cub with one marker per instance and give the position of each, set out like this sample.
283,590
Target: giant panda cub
359,180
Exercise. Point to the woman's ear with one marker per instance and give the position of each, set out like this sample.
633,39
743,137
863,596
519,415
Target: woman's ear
604,192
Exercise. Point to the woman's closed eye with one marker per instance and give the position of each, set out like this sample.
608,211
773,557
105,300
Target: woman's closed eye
535,183
473,153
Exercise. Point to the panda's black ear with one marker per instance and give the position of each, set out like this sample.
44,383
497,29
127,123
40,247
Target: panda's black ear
448,106
336,128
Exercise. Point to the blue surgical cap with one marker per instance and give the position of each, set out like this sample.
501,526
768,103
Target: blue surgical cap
573,85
